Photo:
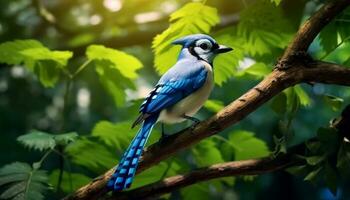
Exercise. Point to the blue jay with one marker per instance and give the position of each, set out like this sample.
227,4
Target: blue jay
178,95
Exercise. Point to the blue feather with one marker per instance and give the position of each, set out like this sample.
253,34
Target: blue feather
125,172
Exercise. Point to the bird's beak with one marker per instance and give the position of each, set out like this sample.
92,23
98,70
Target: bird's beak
223,49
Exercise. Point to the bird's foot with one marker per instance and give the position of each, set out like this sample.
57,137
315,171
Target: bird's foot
194,120
194,125
163,138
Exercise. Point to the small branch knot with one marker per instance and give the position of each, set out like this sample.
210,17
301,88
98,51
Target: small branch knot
299,58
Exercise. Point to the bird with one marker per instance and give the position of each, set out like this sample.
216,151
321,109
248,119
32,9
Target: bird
177,96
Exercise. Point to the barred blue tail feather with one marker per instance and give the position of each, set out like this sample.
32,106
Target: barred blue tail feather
125,172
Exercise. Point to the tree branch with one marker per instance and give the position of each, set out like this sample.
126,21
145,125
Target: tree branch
298,71
310,29
235,168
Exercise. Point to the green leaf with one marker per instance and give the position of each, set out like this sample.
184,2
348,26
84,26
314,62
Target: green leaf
313,175
264,28
297,170
225,65
37,140
20,181
70,181
315,160
276,2
41,141
214,105
294,97
334,102
125,63
258,70
119,135
46,64
343,160
115,135
279,104
66,138
247,146
337,29
150,175
116,70
196,191
313,146
303,97
191,18
207,153
92,154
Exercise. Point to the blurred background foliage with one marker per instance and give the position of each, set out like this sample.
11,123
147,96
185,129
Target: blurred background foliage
73,74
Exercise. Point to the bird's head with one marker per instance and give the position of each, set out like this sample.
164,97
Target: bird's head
202,46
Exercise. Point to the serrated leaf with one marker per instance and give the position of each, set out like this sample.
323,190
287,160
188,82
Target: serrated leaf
264,28
41,141
46,64
247,146
334,102
125,63
22,182
70,181
116,135
116,70
92,154
303,97
225,65
119,135
37,140
207,153
214,105
191,18
66,138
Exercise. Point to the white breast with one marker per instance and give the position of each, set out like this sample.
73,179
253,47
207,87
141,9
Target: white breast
192,103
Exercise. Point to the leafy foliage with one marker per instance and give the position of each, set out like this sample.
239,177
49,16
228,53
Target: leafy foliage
326,159
116,70
192,18
257,70
21,182
337,29
334,102
225,66
244,146
70,181
107,140
83,152
264,28
42,141
207,153
46,64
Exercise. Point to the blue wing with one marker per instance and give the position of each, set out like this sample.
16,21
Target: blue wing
176,84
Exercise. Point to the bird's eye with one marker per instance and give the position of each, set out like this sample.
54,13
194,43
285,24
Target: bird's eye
204,46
